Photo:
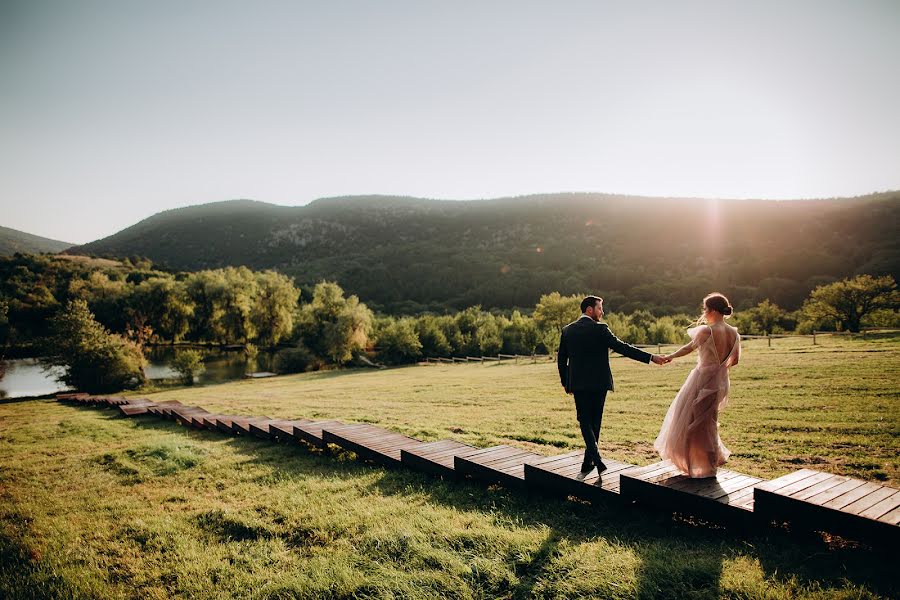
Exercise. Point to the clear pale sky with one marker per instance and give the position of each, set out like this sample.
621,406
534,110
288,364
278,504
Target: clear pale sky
111,111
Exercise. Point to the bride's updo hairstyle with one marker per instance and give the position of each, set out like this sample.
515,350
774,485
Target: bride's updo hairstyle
718,303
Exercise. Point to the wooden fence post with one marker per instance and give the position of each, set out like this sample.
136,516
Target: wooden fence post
814,337
769,338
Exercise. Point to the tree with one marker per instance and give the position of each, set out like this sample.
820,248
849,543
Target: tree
850,300
93,359
763,319
273,310
206,290
237,304
188,364
333,327
4,324
520,335
398,342
163,304
552,313
432,337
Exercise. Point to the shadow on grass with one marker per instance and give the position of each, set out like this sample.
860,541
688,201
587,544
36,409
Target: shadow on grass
679,557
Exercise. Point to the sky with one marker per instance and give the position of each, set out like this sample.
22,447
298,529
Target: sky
111,111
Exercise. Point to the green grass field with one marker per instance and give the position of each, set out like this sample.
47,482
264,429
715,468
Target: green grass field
95,505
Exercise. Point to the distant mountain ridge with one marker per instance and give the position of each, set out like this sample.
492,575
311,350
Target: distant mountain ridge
13,240
405,254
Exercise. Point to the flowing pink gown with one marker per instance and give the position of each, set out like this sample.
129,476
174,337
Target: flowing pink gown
689,436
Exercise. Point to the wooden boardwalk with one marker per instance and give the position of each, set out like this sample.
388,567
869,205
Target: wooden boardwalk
562,474
370,442
311,432
437,458
497,464
806,498
726,497
822,501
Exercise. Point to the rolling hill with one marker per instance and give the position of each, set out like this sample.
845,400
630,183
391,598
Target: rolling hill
403,254
13,240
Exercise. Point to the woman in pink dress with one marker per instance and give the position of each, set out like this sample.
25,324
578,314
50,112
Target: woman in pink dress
690,432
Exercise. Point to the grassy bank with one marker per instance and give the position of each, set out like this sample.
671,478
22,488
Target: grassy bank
94,505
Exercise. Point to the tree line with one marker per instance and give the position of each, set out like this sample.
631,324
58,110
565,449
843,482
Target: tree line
66,307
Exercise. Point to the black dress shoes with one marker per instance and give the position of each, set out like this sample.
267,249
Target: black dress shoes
601,467
587,465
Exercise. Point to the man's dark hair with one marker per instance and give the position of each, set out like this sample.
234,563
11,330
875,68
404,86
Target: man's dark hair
589,301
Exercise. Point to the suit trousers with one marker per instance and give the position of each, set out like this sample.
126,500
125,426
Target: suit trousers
589,407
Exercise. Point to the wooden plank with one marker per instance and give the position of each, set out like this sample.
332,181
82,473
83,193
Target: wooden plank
868,500
778,483
707,498
891,518
440,463
241,425
384,449
500,466
879,509
283,430
827,495
804,483
832,482
434,448
311,432
133,410
837,504
851,496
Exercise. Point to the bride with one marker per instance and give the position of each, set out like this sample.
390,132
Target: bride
690,432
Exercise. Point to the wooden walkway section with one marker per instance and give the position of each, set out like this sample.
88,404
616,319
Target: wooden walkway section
810,499
562,475
437,458
726,497
498,464
825,502
370,442
311,432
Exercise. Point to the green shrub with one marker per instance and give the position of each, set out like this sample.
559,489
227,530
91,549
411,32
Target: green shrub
93,359
188,364
296,360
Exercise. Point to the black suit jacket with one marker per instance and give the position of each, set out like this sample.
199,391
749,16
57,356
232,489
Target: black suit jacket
583,357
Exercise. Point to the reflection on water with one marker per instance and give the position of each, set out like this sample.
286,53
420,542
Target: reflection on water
26,377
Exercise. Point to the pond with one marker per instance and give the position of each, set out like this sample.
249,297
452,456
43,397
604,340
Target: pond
24,377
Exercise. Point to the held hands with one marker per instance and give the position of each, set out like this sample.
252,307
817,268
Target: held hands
660,359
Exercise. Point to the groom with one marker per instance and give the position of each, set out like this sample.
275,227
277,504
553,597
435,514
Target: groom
583,362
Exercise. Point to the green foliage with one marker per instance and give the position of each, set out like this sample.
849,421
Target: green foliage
332,327
93,359
763,319
164,303
275,304
4,324
432,337
552,313
849,301
397,341
296,360
188,364
520,335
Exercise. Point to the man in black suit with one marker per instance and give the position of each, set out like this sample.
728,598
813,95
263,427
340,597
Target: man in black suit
583,362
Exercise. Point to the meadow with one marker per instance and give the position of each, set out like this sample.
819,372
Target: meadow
96,505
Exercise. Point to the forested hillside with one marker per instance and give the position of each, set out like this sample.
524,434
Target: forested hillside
404,255
13,240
